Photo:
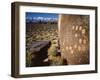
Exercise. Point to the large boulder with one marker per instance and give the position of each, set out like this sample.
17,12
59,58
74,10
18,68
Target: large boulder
39,52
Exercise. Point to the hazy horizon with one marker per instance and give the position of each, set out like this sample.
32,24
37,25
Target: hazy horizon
34,17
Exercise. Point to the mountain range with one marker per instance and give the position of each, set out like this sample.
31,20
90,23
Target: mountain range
42,19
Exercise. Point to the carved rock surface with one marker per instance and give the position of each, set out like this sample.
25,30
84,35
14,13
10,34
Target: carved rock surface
74,38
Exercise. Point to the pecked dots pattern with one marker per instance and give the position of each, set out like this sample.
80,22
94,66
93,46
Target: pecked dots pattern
74,38
79,46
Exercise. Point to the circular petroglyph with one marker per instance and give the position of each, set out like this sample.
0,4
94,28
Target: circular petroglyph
75,46
73,27
72,52
76,28
70,47
79,48
66,47
76,35
83,31
80,40
80,28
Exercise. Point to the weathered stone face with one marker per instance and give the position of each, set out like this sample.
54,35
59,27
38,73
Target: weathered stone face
74,38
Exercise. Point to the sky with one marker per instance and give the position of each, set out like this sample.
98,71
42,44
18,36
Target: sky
31,15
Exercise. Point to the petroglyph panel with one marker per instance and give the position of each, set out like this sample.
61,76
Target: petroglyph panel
74,38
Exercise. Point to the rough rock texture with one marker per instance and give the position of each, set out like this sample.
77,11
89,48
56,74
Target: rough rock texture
74,38
39,52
